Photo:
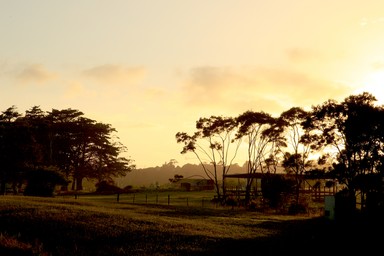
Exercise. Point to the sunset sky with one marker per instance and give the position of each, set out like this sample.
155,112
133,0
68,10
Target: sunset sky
151,68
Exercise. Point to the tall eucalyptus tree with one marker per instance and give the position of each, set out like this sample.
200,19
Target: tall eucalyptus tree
211,144
258,130
299,153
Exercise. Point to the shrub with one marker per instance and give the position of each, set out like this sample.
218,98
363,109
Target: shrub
297,208
231,201
42,182
275,188
105,187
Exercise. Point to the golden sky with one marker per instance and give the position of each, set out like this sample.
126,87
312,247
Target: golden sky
152,68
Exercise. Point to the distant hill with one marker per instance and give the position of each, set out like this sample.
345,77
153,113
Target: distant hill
153,176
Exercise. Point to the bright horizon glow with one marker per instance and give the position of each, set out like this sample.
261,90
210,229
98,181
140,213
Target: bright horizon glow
374,83
152,68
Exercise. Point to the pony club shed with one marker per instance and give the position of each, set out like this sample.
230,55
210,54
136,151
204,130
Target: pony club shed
190,184
317,187
256,189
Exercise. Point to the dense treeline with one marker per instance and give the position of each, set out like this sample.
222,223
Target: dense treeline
341,140
57,147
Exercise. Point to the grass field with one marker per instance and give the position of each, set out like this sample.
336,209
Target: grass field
99,226
171,198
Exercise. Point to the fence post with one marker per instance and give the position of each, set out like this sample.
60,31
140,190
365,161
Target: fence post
134,198
146,198
157,198
118,197
187,201
169,199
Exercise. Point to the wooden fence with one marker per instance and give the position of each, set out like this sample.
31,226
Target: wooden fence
146,198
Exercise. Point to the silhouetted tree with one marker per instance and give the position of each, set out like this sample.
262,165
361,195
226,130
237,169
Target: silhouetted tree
78,146
16,148
211,144
83,148
353,129
39,126
297,158
42,182
263,140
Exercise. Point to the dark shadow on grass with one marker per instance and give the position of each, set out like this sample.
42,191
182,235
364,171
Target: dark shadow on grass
315,236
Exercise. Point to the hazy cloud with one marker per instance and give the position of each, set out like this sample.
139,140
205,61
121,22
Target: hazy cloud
378,66
116,74
301,54
154,93
271,89
35,73
74,89
371,21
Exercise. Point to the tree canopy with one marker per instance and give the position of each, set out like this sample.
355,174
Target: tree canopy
346,137
78,147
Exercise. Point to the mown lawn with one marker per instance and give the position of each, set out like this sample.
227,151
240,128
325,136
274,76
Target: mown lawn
65,226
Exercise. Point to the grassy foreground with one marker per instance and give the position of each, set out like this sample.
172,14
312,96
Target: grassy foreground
57,226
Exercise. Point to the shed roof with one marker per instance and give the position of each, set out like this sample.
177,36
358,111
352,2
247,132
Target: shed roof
260,175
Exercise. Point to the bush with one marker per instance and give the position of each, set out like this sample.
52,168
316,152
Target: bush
275,188
42,182
105,187
231,201
128,188
296,208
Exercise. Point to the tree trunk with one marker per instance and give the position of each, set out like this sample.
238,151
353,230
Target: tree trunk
217,188
79,183
73,186
248,193
224,188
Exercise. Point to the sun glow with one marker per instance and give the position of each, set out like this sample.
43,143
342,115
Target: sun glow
374,84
